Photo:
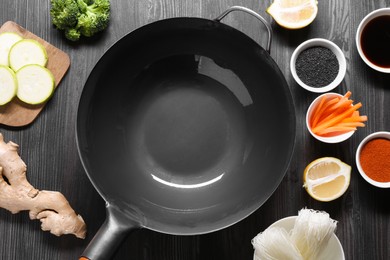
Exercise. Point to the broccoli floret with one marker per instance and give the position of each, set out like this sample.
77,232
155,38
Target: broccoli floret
64,13
80,17
72,34
94,17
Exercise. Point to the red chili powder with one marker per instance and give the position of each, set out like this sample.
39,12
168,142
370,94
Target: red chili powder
375,159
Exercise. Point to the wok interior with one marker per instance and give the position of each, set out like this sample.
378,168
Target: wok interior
187,125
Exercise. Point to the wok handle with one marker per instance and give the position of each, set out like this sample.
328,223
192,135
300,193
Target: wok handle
253,13
110,235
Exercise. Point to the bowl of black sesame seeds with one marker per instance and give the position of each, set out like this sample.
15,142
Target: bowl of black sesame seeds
318,65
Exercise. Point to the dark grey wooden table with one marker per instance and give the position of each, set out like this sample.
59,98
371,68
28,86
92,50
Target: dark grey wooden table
48,145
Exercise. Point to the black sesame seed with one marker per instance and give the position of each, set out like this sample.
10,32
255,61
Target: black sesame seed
317,66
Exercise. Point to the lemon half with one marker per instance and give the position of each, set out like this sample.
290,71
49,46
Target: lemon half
293,14
326,178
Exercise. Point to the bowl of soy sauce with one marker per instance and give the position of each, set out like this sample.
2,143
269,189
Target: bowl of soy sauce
373,40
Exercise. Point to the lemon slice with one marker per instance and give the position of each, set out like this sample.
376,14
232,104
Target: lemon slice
293,14
327,178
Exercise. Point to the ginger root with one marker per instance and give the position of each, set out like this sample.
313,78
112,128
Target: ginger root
17,194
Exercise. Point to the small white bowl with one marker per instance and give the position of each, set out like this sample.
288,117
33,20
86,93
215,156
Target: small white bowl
368,138
318,42
332,139
363,23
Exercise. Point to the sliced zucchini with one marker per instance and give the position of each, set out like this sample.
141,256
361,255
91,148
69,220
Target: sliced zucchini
8,85
7,40
27,52
35,84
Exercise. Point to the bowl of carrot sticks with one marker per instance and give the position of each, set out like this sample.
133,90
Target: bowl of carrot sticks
333,118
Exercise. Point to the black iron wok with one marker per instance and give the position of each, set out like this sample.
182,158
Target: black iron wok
185,126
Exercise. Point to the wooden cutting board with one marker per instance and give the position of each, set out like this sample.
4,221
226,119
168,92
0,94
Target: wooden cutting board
16,113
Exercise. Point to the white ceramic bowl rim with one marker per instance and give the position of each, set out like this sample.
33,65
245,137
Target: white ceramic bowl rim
381,134
363,23
323,43
332,139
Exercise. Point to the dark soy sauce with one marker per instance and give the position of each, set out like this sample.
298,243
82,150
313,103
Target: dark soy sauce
375,41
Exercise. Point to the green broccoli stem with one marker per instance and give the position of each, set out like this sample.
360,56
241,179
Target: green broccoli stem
82,6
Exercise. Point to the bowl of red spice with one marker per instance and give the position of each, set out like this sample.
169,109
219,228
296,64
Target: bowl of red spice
318,65
373,159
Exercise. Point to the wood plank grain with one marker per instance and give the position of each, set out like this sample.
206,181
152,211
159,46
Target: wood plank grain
17,113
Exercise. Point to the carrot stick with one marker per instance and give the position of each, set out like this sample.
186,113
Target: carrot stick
351,124
348,94
335,116
334,120
317,109
320,112
334,113
335,109
342,103
354,119
325,117
336,129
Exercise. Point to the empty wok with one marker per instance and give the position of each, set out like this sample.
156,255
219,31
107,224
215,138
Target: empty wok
185,126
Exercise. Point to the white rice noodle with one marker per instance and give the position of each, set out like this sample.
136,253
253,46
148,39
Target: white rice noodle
274,244
311,232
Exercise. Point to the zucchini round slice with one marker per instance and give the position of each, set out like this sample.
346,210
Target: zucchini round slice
27,52
7,40
8,84
35,84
